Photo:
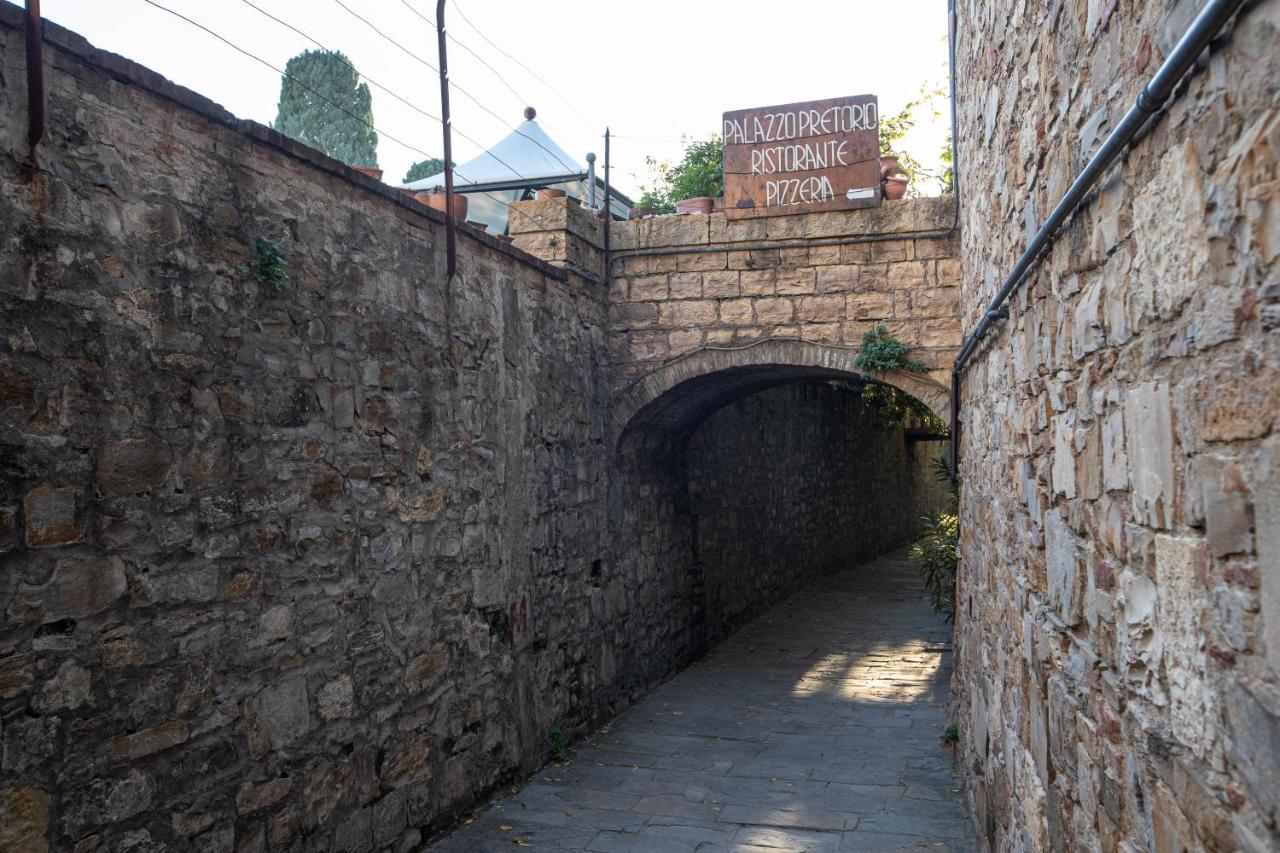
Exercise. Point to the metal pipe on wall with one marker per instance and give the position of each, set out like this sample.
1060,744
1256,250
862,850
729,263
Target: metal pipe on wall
1212,18
35,75
450,226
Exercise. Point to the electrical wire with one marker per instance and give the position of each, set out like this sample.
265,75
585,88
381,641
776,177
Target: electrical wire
532,73
327,100
568,169
431,23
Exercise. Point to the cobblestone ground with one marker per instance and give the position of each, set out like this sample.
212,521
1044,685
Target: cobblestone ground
816,727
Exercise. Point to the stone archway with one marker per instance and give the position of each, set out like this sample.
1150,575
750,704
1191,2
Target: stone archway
659,408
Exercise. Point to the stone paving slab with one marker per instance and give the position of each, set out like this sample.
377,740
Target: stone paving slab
814,728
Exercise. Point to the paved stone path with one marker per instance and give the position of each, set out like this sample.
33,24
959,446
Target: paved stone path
816,727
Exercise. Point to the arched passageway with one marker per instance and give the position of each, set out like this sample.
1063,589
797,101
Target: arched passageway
759,502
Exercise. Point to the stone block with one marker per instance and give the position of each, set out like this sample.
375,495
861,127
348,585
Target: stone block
1228,511
1181,599
1253,720
24,820
284,711
686,285
649,287
82,588
50,515
1148,423
1266,497
758,282
132,466
873,305
720,284
906,274
688,313
839,278
775,310
798,280
737,312
149,741
1238,408
820,308
256,796
1063,567
702,261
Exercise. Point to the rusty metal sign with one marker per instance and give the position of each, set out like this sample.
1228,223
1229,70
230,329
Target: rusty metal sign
801,158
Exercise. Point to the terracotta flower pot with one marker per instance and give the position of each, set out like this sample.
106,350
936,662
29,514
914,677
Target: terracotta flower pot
435,201
642,212
371,171
698,204
889,166
550,193
895,188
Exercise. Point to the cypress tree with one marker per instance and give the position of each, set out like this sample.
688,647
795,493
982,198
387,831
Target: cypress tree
337,124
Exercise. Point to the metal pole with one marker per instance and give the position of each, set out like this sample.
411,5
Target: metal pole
450,227
35,75
608,208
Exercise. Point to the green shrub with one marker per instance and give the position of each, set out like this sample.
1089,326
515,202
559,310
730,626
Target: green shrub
882,351
268,266
936,557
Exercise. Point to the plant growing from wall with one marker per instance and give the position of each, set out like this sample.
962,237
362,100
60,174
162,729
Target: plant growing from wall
882,351
323,104
268,267
560,745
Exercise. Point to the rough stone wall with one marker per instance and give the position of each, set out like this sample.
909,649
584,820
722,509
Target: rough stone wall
313,561
1117,640
683,283
794,482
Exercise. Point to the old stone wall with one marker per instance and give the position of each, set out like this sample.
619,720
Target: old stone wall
796,481
308,559
1117,639
683,284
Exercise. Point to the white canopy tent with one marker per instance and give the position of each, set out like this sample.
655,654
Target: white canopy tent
525,161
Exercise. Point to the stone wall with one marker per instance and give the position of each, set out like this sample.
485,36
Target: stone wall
796,481
684,283
312,560
1117,639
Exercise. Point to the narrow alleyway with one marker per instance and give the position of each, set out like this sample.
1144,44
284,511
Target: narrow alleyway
816,727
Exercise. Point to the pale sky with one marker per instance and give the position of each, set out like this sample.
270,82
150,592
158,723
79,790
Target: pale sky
653,71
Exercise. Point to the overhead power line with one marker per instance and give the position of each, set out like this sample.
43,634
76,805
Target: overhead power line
324,98
534,74
568,169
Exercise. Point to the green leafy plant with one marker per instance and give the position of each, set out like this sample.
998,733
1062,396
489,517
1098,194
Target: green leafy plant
269,264
936,555
699,173
950,735
882,351
560,745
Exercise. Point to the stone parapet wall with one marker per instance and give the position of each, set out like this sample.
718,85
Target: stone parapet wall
683,283
1117,644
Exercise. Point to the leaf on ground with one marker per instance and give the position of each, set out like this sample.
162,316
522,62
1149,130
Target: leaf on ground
505,827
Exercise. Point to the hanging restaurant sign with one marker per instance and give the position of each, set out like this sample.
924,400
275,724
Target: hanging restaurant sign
800,158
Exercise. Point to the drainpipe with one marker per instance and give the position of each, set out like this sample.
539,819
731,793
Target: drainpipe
1151,100
35,76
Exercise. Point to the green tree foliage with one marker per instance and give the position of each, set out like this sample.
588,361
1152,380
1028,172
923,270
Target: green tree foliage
423,169
894,128
699,173
323,104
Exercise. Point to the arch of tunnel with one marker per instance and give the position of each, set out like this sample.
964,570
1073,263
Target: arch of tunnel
324,564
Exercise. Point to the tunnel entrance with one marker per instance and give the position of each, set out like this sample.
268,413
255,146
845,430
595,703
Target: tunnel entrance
737,487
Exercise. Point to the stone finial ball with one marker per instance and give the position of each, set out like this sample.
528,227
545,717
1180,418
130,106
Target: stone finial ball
529,113
591,157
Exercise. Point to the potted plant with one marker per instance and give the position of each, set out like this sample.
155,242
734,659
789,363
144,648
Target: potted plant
436,201
697,204
895,187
